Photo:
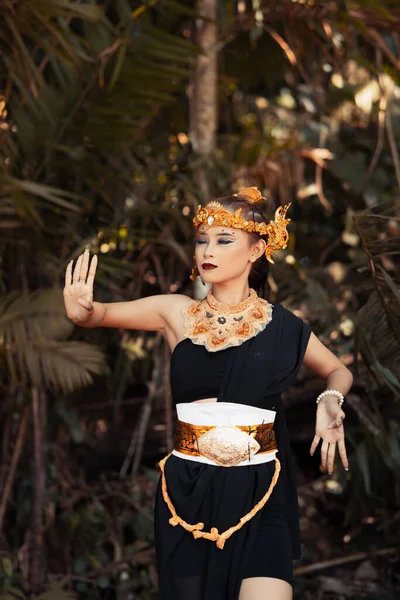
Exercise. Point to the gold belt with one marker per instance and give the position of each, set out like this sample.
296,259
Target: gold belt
226,445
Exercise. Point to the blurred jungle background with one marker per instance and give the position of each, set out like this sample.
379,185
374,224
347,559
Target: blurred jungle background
117,118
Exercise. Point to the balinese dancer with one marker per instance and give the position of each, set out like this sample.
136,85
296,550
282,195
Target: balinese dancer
226,512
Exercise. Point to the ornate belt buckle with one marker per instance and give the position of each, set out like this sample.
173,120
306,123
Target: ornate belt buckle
227,446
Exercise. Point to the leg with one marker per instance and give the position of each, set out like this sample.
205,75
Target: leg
269,572
265,588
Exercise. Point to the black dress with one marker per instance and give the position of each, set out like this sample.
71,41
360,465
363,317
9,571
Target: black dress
254,373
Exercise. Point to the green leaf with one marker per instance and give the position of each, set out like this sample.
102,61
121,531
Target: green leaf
122,50
379,8
102,582
25,209
388,375
181,9
7,566
47,192
173,40
63,8
13,594
71,418
80,564
56,592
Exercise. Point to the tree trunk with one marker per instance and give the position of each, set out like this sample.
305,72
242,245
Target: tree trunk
203,96
6,490
37,551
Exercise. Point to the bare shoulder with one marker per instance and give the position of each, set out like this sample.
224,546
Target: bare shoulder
176,302
173,307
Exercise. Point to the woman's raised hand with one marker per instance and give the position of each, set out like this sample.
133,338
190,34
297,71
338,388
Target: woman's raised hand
329,429
78,290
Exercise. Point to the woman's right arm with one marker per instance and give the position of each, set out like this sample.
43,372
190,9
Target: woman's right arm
149,314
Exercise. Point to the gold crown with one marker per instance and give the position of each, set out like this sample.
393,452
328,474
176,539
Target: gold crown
215,215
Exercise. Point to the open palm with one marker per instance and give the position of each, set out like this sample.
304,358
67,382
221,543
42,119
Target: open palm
78,290
329,428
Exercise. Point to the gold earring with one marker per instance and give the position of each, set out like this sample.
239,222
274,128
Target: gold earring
195,273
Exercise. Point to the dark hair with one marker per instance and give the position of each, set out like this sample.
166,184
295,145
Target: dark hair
252,212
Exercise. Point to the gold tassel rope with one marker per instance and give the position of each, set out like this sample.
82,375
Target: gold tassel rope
214,535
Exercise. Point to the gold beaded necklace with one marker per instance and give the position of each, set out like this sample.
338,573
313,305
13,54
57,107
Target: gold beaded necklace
218,326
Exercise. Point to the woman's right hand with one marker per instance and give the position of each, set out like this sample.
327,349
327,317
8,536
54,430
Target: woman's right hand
78,290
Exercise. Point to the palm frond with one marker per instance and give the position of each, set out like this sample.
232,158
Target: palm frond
379,230
77,96
379,345
62,366
379,318
14,594
25,318
33,329
55,196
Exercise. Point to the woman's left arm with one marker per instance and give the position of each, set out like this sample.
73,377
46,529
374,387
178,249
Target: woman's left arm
330,416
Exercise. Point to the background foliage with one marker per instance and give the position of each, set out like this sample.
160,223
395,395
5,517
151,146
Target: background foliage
96,152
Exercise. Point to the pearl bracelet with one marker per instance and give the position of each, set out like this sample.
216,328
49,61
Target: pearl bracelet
338,395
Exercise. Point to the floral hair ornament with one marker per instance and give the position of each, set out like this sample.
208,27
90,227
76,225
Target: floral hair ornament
214,215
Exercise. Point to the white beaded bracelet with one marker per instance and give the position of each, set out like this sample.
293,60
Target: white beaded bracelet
338,395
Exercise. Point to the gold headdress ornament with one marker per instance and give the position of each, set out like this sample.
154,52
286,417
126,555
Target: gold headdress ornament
214,215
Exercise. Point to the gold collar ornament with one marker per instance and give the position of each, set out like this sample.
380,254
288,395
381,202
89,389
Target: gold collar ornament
214,215
218,326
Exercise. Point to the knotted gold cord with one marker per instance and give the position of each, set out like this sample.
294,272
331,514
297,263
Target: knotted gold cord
214,535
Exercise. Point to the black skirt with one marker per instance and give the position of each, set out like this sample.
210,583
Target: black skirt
257,373
219,497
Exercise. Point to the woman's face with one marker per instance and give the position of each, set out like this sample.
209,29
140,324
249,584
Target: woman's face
225,253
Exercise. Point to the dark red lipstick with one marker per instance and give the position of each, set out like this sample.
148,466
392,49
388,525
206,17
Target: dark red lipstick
207,266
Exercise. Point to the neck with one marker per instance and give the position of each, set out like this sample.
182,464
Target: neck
231,292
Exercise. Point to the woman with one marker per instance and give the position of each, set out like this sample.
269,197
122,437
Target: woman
226,514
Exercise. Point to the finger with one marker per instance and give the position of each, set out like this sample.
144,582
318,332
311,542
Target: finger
68,274
331,457
84,266
92,271
77,270
314,444
86,304
324,452
343,454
